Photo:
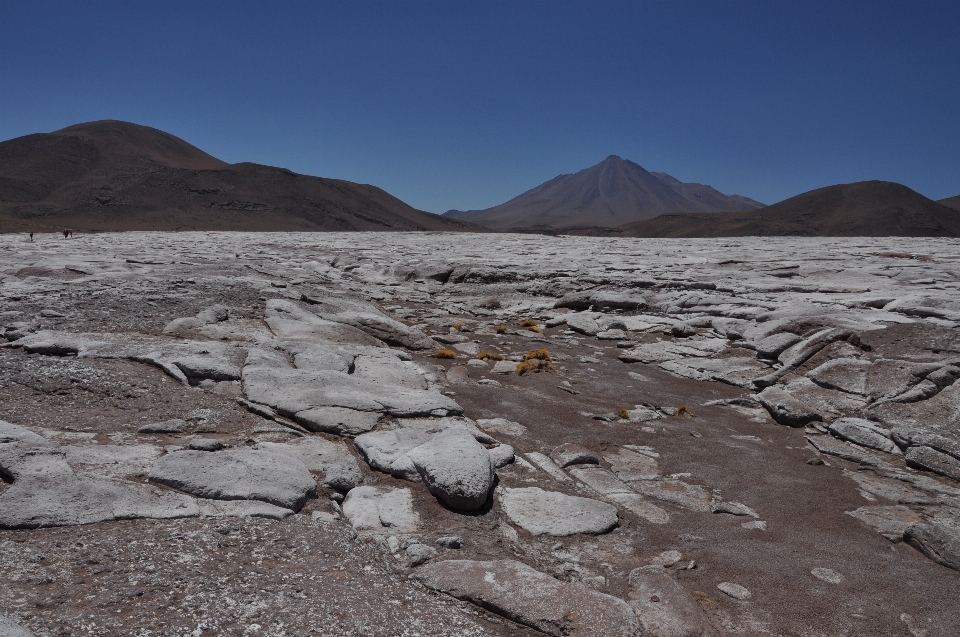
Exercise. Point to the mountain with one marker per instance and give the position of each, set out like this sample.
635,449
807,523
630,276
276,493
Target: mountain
863,209
950,202
611,193
112,175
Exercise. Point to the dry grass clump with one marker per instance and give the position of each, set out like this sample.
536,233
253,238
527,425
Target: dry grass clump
538,354
457,326
623,413
534,365
445,353
485,355
537,360
490,303
500,329
683,412
531,326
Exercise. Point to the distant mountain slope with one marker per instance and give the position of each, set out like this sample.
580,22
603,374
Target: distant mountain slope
112,175
866,208
950,202
611,193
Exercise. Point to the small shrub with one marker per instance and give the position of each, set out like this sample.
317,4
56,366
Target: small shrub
534,365
534,328
538,354
490,355
683,412
457,326
500,329
623,413
528,323
490,303
445,353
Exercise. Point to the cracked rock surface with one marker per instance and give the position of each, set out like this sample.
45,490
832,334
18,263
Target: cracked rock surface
386,434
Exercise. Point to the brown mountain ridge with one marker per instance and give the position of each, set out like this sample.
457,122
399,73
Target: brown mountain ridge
862,209
112,175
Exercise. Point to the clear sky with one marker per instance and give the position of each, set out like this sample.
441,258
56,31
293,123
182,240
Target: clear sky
463,105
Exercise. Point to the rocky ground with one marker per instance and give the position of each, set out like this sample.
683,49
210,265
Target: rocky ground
429,434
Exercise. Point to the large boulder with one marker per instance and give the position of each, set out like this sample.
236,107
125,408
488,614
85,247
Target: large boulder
924,457
864,433
786,409
584,322
948,444
771,346
456,468
939,542
237,474
531,598
388,450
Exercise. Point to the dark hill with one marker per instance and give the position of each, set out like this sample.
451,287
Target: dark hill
611,193
867,209
112,175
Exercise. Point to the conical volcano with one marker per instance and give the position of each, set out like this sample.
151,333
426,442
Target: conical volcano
611,193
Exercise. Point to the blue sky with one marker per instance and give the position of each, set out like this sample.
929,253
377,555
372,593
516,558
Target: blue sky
466,104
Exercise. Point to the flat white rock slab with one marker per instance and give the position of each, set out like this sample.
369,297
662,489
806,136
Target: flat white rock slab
542,512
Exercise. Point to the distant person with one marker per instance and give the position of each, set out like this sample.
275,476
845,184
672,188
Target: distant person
31,237
66,233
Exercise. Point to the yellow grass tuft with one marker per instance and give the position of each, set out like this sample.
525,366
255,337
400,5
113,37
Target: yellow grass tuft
534,365
457,326
538,354
500,329
623,413
528,323
683,412
445,353
490,355
534,328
